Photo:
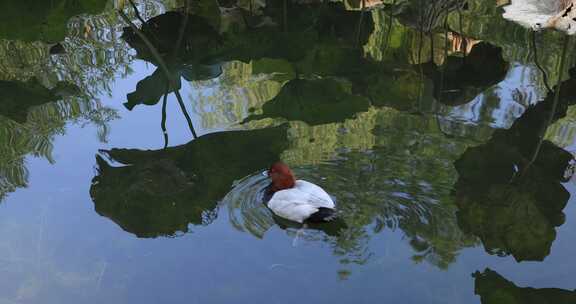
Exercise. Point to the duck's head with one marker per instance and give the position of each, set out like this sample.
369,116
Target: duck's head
282,177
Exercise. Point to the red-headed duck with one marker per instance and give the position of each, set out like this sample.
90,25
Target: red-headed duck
297,200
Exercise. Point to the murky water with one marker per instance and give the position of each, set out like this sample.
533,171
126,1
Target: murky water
132,158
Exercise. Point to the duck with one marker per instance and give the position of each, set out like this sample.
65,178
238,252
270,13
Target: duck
298,201
543,14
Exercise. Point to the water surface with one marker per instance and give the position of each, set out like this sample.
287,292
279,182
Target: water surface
131,158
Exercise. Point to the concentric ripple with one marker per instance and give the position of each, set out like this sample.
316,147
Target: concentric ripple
246,208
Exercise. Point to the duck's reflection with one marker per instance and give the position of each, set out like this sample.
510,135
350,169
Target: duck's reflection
510,191
495,289
248,213
161,192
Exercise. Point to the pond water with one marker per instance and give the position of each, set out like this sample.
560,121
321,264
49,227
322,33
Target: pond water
132,157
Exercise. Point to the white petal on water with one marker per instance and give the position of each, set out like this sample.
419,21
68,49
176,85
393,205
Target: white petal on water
542,14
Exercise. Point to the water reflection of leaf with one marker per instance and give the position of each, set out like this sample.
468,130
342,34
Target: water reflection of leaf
378,191
36,135
314,102
202,44
28,70
227,100
483,21
368,164
200,40
460,80
42,20
509,191
424,16
150,89
16,98
495,289
164,191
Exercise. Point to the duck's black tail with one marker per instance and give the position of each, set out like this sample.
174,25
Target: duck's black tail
323,215
327,220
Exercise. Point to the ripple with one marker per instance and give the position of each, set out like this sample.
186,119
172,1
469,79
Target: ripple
368,203
245,203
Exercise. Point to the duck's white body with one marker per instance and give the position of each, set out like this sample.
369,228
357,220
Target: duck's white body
542,14
300,202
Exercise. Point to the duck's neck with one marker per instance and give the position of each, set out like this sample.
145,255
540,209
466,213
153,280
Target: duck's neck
282,183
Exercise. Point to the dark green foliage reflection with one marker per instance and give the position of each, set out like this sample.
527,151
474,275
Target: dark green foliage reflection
495,289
